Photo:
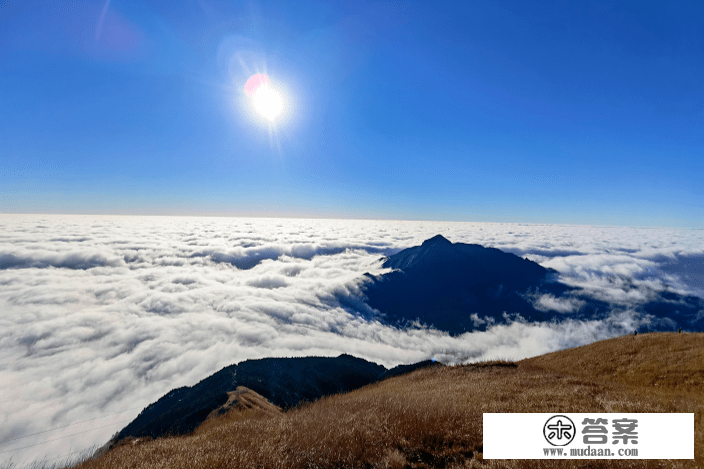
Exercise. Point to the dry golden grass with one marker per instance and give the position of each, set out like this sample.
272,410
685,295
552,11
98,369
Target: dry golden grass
243,403
433,417
668,360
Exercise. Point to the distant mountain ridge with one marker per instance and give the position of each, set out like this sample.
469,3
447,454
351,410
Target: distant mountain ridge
285,382
443,284
457,288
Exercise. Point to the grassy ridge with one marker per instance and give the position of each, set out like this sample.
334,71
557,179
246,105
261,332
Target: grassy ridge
433,417
670,361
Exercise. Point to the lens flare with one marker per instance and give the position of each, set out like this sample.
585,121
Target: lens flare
267,101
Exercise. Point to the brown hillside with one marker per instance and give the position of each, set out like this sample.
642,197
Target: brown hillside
243,403
433,417
669,360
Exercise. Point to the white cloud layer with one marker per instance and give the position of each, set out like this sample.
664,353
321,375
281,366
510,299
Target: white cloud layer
100,316
549,302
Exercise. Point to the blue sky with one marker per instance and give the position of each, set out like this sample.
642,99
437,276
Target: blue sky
525,111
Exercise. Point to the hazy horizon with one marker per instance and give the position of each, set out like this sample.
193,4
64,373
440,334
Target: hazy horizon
341,218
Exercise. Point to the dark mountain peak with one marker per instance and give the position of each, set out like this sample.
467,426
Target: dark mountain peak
437,255
437,240
458,287
347,356
453,286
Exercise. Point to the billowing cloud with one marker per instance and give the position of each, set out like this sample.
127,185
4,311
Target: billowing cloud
548,302
100,316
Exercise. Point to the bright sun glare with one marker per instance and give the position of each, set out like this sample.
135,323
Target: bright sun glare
267,101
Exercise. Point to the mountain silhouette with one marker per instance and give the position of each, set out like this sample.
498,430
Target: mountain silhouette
443,284
285,382
457,287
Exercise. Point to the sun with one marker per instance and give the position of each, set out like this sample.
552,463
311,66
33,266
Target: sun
267,101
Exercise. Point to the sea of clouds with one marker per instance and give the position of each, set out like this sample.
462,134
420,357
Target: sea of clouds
102,315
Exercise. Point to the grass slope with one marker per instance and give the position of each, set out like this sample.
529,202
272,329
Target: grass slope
433,416
670,361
